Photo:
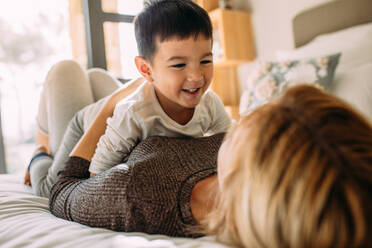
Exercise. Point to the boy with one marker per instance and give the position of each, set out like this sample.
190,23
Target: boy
174,39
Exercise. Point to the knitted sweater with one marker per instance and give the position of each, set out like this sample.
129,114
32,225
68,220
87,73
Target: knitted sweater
149,193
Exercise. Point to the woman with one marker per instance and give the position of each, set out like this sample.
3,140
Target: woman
294,173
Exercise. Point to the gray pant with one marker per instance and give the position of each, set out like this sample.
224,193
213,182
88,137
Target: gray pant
68,94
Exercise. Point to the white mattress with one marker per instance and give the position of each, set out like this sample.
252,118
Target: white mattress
25,221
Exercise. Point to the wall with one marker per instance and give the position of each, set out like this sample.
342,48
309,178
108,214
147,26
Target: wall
272,27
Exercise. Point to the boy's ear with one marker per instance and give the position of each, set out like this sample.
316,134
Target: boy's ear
143,67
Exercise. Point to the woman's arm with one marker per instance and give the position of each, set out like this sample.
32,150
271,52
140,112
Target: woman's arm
86,146
76,197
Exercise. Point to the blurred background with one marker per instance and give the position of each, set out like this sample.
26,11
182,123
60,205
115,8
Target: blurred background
35,35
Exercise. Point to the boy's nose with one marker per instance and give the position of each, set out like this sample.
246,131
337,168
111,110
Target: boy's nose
195,75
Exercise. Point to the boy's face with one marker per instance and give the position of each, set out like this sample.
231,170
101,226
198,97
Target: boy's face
181,71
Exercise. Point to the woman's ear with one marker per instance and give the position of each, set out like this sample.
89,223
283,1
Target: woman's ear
143,67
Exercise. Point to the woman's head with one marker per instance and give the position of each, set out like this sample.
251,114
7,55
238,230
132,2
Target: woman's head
297,172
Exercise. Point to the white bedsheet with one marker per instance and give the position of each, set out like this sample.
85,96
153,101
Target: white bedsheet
25,221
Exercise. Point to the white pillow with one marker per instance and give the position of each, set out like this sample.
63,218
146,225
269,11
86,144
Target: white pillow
355,87
269,79
353,43
353,78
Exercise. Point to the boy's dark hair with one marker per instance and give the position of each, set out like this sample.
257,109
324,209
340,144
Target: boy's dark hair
167,19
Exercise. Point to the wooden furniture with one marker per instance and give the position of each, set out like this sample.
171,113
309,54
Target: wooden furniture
233,45
232,31
225,81
208,5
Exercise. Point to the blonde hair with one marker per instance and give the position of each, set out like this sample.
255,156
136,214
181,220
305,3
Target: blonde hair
300,175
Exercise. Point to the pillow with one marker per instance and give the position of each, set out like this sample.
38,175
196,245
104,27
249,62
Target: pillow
354,43
353,81
269,79
355,87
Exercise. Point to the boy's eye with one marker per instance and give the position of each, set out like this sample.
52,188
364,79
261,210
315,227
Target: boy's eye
178,65
206,61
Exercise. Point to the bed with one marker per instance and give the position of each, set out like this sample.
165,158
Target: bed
25,220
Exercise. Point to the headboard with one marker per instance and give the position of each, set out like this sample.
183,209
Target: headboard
330,17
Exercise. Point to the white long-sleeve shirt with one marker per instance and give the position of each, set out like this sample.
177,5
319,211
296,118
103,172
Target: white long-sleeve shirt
140,115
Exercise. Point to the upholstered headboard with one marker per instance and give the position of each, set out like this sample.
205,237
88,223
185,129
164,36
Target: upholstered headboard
330,17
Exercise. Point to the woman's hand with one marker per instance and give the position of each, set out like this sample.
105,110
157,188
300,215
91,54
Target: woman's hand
39,149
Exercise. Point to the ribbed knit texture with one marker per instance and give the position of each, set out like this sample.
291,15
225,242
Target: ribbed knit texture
150,193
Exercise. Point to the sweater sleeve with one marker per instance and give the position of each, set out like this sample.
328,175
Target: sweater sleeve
122,133
105,200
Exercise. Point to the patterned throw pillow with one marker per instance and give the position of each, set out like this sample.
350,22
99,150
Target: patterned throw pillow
270,79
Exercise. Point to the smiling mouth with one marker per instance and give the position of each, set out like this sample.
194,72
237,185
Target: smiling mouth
191,90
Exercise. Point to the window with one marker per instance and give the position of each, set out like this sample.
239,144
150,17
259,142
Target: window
126,33
35,35
113,40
